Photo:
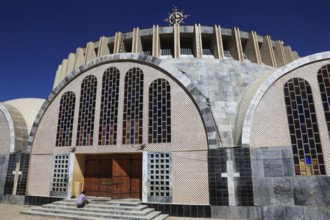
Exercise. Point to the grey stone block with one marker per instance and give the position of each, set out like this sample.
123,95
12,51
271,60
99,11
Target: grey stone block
282,192
237,212
288,167
273,167
273,213
219,212
316,213
322,190
256,154
287,152
271,154
303,190
294,213
262,188
253,213
257,168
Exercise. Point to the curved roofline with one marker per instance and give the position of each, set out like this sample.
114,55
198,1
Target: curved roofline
5,111
246,130
193,41
201,102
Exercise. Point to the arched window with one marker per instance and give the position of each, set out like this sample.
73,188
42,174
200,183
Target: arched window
65,119
159,112
133,107
87,111
304,132
109,107
323,77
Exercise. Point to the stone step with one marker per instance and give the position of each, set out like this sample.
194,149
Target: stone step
119,202
94,216
103,210
160,217
100,206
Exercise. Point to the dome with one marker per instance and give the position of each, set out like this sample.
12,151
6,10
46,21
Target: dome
28,107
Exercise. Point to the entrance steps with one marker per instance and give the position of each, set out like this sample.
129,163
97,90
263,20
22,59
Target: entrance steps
97,209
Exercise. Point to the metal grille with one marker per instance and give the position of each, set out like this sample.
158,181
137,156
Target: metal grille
304,132
160,174
187,51
207,51
159,112
109,107
60,173
323,77
65,119
87,111
133,107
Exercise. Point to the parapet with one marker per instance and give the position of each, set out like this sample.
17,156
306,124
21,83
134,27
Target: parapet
177,41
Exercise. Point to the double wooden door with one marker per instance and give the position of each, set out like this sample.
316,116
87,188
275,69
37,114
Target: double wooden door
116,175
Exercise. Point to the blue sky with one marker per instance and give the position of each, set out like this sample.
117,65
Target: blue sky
36,35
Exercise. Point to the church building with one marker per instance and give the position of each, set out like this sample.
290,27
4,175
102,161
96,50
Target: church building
195,121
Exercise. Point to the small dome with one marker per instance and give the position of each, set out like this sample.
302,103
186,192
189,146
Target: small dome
28,107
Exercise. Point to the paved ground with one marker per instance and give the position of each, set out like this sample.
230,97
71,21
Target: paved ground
12,212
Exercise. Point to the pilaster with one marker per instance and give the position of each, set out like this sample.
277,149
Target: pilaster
136,44
155,41
103,47
235,47
176,40
57,76
279,53
90,52
252,48
80,57
71,62
63,70
288,54
198,47
117,42
267,52
217,45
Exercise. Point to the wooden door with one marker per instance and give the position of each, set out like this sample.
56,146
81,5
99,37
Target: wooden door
105,179
136,176
98,175
116,176
121,173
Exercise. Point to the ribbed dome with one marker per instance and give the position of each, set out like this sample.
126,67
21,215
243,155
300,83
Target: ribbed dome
182,42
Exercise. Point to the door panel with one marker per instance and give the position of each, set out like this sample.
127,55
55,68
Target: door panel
91,184
136,178
121,177
117,175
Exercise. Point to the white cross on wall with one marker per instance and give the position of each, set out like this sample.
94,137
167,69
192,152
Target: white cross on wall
230,179
16,173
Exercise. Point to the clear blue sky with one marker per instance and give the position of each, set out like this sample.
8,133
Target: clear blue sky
36,35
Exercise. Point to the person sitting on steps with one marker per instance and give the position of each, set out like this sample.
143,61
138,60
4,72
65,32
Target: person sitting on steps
82,200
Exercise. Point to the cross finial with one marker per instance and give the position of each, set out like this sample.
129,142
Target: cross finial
176,17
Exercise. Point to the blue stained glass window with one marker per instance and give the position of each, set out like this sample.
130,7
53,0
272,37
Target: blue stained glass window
65,119
160,109
298,89
295,114
108,112
298,99
86,111
133,106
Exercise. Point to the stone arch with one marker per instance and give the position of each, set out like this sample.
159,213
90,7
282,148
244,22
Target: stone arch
201,102
261,91
17,128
